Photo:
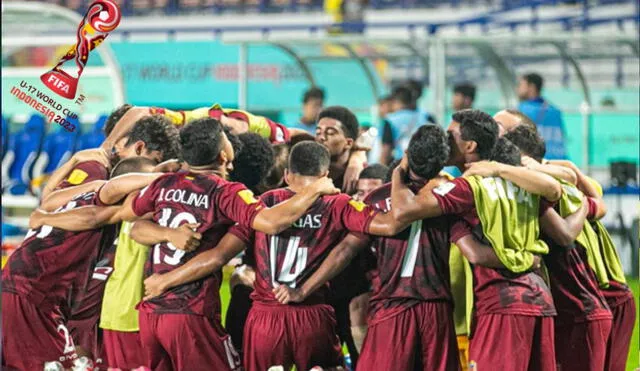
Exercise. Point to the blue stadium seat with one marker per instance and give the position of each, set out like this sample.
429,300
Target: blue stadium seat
57,148
5,135
94,137
22,151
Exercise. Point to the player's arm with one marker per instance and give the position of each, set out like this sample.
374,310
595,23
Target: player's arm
197,268
357,162
335,263
478,253
384,224
60,174
124,126
277,218
407,206
563,231
119,187
76,220
149,233
531,181
556,171
61,197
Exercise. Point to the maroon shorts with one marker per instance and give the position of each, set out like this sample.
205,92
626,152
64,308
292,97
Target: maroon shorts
624,317
122,349
286,335
31,337
510,342
422,337
582,346
186,342
84,319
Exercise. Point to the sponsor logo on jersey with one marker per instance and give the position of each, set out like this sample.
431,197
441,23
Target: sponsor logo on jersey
247,196
77,177
309,221
444,188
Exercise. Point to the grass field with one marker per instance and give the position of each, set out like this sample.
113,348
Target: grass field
632,363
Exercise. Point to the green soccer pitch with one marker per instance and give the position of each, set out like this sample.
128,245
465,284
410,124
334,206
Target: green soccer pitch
633,361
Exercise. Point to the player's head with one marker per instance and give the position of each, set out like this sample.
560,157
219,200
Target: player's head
312,103
402,98
236,144
427,153
137,164
384,106
472,136
337,130
416,88
114,117
528,141
506,152
463,96
153,137
529,86
371,177
252,165
307,159
275,177
510,118
205,146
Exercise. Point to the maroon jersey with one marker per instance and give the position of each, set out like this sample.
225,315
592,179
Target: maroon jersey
181,198
574,286
292,256
496,291
49,260
85,172
412,266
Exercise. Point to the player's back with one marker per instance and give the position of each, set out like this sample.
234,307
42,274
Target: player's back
177,199
292,256
412,266
49,259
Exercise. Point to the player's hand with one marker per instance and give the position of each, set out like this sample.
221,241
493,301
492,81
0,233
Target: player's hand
404,163
324,186
93,154
351,175
483,168
185,237
36,220
285,294
155,285
169,166
536,261
243,275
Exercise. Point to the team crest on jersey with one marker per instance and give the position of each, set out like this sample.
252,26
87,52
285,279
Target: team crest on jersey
77,177
473,366
247,196
444,188
358,205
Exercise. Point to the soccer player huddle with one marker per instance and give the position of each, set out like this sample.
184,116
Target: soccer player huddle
504,268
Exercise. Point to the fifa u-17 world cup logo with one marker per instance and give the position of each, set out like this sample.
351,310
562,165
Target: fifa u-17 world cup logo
102,17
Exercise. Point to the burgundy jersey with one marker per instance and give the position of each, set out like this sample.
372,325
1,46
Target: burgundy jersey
412,266
49,261
574,285
85,172
496,291
292,256
181,198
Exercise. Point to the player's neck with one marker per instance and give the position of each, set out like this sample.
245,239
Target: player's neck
221,172
300,183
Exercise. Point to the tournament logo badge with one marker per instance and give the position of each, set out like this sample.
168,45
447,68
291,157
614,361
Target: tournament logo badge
102,17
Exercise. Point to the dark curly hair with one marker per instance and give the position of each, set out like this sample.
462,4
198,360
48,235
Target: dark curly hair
347,119
201,141
479,127
506,152
528,141
236,143
375,171
428,151
114,117
254,162
158,134
392,166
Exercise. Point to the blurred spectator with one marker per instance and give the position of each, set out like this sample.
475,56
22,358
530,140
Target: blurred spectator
463,96
371,178
547,117
384,106
416,88
398,126
312,103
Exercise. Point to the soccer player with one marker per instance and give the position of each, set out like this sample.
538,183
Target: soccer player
583,314
510,308
372,177
286,335
39,275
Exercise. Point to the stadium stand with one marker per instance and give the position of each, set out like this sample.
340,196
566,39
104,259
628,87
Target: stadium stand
23,150
94,137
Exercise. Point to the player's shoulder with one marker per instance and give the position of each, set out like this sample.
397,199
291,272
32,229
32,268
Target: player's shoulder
446,186
381,193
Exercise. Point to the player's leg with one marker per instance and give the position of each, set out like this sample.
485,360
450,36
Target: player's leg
438,336
265,343
237,313
122,349
582,346
463,351
502,342
312,334
624,316
391,344
31,336
154,354
340,307
358,315
543,355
